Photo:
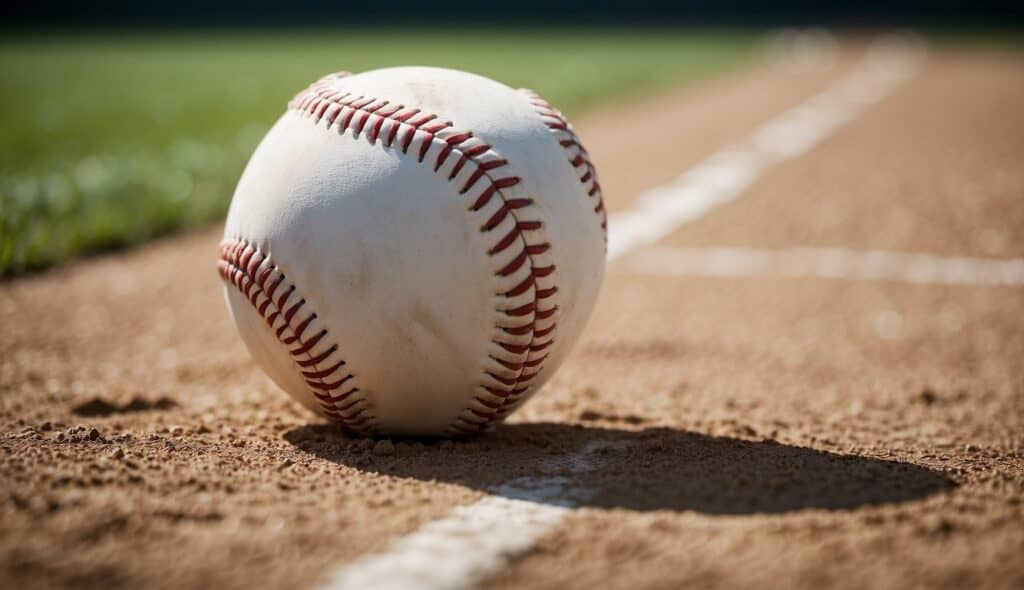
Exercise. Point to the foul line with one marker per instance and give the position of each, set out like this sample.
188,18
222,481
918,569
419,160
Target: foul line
476,541
829,263
729,173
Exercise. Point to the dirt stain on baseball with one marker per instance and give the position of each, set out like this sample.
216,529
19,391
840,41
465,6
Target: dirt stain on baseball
422,316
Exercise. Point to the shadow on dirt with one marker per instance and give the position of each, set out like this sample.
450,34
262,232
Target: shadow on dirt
99,407
650,469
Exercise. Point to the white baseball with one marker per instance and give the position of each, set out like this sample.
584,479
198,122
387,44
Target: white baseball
414,250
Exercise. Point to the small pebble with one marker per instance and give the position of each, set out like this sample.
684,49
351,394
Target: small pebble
928,396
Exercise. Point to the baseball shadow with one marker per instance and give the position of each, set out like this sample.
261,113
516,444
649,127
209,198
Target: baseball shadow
650,469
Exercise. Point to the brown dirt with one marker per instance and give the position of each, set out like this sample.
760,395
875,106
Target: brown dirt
942,174
785,432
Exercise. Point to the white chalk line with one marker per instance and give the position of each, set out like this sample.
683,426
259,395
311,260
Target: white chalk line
476,541
726,175
829,263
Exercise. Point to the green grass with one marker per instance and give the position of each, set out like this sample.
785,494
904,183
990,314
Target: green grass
108,140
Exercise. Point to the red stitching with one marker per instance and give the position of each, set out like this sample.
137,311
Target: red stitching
245,267
577,154
398,127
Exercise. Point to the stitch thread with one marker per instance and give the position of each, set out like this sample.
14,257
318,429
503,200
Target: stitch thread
522,340
279,304
476,169
579,158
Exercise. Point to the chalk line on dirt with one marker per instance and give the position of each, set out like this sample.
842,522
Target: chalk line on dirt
475,541
727,174
829,263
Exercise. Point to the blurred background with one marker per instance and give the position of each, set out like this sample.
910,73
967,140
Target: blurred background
124,121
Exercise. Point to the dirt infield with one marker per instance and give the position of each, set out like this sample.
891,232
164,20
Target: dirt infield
761,431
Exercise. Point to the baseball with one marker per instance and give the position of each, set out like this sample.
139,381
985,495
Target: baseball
414,250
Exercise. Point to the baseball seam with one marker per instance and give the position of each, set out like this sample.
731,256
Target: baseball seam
295,324
524,275
523,269
578,156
